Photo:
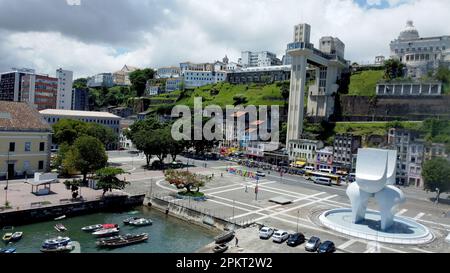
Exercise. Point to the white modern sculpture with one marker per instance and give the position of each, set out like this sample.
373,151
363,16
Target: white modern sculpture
375,175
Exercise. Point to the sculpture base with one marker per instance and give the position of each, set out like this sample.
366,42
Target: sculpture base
404,231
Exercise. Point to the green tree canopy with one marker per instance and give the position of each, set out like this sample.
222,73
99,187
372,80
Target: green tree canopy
107,179
89,155
393,69
186,179
68,130
139,79
436,174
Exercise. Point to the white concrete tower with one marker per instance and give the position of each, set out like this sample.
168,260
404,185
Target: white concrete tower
65,84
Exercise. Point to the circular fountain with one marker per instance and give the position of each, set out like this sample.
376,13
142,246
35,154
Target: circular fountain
375,176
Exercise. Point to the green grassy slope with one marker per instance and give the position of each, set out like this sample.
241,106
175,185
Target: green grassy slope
365,82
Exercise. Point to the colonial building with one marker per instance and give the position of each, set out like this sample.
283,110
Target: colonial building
24,141
122,77
304,150
420,54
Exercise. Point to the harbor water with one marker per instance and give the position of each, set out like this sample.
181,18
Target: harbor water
167,234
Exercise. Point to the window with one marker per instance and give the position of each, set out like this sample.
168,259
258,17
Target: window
12,146
41,146
41,165
27,146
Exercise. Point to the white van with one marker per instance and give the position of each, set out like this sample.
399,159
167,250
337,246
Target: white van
322,180
326,171
309,168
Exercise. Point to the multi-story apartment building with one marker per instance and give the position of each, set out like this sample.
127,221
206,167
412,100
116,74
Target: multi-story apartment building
80,99
261,59
325,159
345,146
109,120
65,84
409,154
24,140
101,80
11,84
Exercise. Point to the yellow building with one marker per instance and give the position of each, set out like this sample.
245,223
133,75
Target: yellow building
25,139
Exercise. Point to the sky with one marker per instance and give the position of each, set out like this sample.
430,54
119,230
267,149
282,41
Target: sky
95,36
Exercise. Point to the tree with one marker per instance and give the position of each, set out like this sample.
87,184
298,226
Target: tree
80,83
393,69
239,99
285,89
89,155
186,179
139,79
436,175
68,130
107,179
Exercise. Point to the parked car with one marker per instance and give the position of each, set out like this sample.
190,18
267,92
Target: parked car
326,247
280,236
265,232
260,173
313,244
295,239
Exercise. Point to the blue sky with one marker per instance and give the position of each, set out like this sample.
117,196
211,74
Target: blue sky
379,4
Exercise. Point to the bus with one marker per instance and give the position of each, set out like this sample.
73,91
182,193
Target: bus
327,177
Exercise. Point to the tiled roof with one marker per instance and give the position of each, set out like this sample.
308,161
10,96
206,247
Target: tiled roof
19,116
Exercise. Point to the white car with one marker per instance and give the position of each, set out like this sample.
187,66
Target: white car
280,236
265,232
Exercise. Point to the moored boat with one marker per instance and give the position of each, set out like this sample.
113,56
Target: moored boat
8,250
123,240
92,228
224,237
220,248
141,222
106,232
54,242
60,227
16,236
7,237
128,220
60,218
58,249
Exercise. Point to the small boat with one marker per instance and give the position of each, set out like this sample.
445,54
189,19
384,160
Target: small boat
220,248
128,220
8,250
58,249
7,237
141,222
60,218
8,228
224,237
16,236
106,232
55,242
60,227
124,240
92,228
108,226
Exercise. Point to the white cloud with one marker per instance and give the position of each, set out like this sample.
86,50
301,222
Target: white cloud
200,31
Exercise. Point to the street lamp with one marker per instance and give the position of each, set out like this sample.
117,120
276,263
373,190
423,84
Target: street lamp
7,180
298,218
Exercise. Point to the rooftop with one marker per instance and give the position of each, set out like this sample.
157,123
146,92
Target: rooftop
72,113
19,116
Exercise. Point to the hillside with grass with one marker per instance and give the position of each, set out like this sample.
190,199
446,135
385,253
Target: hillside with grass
363,83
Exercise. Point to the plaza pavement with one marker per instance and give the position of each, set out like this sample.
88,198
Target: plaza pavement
233,198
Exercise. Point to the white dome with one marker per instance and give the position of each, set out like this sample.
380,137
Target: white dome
410,32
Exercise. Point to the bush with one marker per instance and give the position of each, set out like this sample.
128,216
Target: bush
191,194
